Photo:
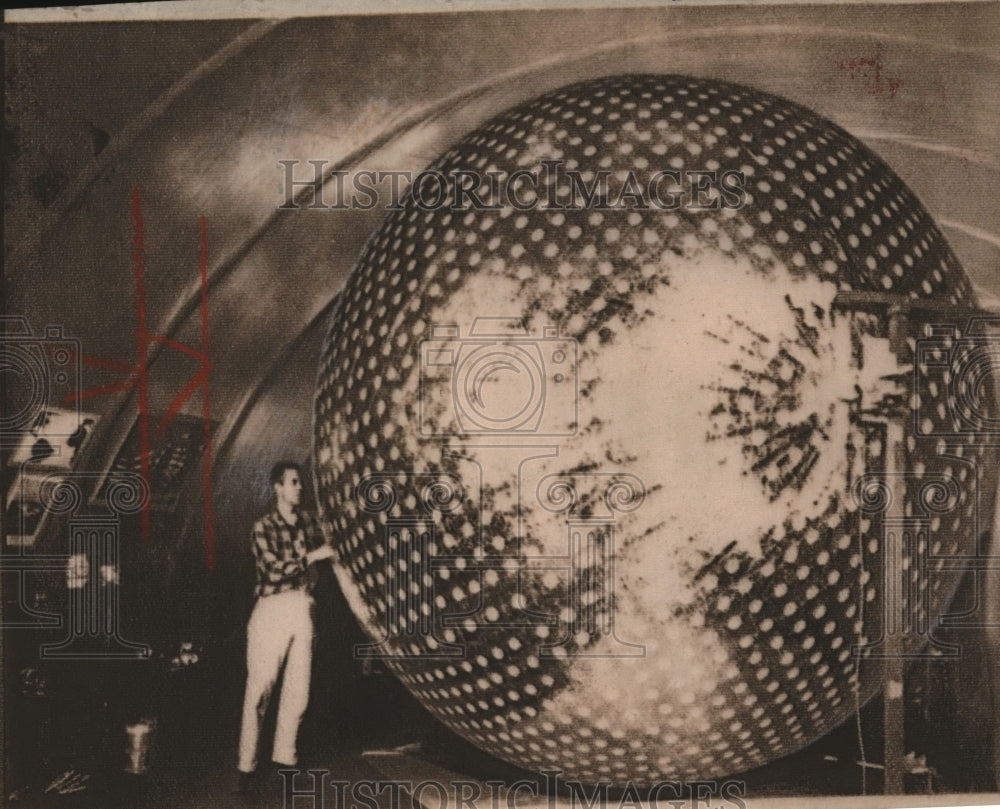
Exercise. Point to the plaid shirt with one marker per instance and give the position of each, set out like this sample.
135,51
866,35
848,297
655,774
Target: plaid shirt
279,550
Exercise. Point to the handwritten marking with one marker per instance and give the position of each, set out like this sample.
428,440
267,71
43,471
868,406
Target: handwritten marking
138,375
871,71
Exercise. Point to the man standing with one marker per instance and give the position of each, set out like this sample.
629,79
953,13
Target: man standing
280,632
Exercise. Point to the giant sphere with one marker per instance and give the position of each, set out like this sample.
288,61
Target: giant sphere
607,475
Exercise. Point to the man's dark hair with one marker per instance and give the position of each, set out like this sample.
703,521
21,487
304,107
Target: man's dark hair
279,469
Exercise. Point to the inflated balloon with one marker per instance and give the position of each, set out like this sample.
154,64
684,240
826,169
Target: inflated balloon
603,455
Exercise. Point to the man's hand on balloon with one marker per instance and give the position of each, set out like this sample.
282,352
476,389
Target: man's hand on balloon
322,552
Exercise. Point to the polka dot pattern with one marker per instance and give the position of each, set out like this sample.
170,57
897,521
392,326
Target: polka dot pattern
756,660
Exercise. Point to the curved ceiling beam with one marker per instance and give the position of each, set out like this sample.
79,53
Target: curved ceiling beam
976,233
901,138
70,196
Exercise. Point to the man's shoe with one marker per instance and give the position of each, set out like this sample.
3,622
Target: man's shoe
246,783
275,779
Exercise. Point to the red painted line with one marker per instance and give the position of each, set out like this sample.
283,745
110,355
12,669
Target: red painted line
206,412
183,349
101,362
142,338
138,376
199,380
101,390
93,362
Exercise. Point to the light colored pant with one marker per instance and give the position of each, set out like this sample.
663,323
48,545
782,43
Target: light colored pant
280,632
